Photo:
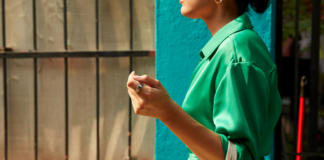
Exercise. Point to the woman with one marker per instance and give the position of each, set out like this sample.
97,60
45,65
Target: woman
233,104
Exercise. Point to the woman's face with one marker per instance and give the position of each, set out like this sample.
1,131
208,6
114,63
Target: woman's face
197,8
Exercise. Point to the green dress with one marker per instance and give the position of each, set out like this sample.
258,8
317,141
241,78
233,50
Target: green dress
233,90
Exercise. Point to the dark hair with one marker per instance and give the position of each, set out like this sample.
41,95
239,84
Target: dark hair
257,5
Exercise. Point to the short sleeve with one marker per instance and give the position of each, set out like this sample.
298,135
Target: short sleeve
240,109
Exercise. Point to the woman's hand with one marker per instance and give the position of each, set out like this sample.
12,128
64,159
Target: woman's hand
152,100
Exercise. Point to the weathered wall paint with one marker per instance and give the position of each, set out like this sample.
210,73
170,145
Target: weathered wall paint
178,42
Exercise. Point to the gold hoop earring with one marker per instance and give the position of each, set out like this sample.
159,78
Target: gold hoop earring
219,1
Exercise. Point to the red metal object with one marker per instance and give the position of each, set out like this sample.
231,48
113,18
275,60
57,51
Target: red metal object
303,82
300,126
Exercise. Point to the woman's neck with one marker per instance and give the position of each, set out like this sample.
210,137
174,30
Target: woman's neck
219,19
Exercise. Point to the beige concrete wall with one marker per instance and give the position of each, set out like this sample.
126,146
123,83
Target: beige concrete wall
114,34
143,128
21,122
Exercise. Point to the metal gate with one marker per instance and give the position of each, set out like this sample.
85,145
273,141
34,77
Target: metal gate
9,53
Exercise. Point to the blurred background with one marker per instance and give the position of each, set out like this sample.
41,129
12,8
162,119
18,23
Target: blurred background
302,55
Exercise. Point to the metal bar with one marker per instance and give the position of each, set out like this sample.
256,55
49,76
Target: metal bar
66,109
131,24
34,25
5,107
130,115
97,24
296,76
98,107
65,24
77,54
3,24
66,83
130,110
35,80
97,81
314,96
278,60
5,102
36,108
278,40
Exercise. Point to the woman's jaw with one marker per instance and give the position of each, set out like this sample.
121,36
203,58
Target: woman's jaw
197,8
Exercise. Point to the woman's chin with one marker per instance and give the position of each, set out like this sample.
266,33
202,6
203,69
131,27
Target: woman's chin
185,12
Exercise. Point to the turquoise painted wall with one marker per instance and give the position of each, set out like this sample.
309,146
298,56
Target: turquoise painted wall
178,42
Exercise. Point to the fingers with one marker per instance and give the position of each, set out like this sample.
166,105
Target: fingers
147,80
130,76
133,97
145,90
131,84
135,103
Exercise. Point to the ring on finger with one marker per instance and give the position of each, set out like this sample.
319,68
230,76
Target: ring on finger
139,87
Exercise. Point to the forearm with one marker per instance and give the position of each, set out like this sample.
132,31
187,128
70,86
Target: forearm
204,143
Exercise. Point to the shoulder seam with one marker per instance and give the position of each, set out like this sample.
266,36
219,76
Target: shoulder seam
229,64
252,63
234,48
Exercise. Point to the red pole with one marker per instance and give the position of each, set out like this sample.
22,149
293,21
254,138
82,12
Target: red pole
300,127
301,118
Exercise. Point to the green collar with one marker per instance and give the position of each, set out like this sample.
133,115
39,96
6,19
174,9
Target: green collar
240,23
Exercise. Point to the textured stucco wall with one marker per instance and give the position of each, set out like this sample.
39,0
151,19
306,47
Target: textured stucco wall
178,42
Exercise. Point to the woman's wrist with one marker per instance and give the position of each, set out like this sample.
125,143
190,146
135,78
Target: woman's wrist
171,112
